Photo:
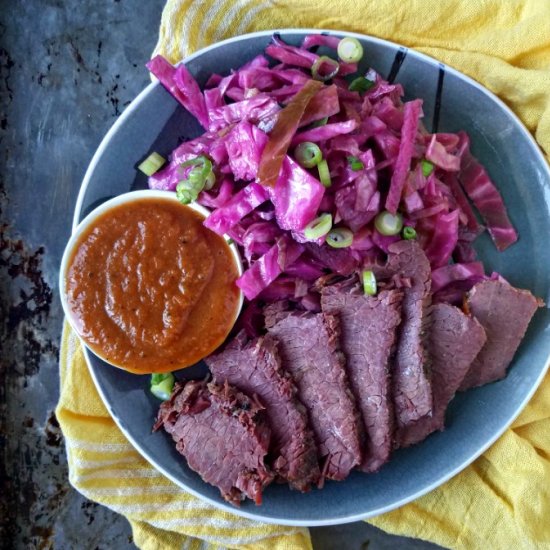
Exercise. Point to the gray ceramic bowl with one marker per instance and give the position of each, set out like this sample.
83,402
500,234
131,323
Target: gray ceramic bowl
154,121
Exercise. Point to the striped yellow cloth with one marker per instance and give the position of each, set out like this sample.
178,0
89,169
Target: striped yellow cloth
503,499
104,467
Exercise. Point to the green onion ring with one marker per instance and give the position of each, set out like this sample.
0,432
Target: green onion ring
195,178
340,238
308,154
388,224
200,176
210,181
152,164
202,163
186,194
369,283
324,173
319,227
319,63
409,233
162,385
350,50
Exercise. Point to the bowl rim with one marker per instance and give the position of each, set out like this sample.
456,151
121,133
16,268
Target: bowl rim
258,516
91,218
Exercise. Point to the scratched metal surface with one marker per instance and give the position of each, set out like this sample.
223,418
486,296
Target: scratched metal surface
67,70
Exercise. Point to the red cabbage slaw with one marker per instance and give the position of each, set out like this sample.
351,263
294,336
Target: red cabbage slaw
379,158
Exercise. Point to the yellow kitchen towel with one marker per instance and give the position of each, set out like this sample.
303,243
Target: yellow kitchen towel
105,468
500,501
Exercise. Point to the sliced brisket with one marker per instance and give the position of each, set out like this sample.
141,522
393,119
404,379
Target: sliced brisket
222,434
309,348
505,313
454,341
368,326
254,367
407,265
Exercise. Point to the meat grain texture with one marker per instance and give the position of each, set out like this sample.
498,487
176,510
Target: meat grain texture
223,435
323,392
505,313
309,348
408,266
454,341
254,367
368,335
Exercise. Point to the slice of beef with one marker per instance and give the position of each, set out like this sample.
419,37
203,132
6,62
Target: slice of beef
454,341
337,260
505,313
275,312
223,435
368,325
254,367
407,265
309,348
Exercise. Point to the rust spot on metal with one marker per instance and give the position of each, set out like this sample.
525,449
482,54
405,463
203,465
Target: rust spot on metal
28,422
75,52
44,535
29,311
89,508
25,302
54,437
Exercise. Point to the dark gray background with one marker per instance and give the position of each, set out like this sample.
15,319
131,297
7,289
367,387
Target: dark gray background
67,70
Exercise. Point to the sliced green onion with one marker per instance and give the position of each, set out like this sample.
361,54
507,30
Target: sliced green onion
200,176
151,164
162,385
202,163
317,67
340,238
369,283
194,182
320,122
409,233
157,378
184,194
324,173
350,50
319,227
360,84
355,164
308,154
210,181
195,177
388,224
427,168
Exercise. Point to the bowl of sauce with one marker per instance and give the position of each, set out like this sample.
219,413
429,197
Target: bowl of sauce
146,286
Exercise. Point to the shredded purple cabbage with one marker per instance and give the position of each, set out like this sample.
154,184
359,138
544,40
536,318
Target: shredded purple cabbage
486,198
375,146
268,267
450,273
257,109
245,144
412,111
323,133
234,210
296,196
181,84
437,153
